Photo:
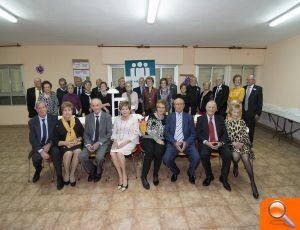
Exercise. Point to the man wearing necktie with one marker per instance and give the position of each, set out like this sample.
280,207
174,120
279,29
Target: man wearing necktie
221,93
212,136
32,97
180,137
252,104
97,134
78,89
41,136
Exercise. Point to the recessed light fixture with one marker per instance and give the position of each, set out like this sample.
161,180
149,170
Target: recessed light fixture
285,16
8,16
152,11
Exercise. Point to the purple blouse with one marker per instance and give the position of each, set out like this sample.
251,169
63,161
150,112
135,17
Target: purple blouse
74,99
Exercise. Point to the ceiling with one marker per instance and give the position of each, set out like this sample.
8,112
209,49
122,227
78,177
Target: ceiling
188,22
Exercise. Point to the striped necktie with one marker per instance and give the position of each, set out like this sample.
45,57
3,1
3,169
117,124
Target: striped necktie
178,131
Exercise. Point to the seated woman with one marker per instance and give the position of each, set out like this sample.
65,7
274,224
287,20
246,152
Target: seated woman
131,97
153,143
241,145
69,135
74,99
49,98
125,137
86,97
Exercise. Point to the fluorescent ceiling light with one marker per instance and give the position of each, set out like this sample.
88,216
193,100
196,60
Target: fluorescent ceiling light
152,11
8,16
285,16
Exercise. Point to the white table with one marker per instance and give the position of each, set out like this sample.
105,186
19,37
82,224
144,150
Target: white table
290,115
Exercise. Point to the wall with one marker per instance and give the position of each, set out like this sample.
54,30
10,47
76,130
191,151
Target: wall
57,61
280,77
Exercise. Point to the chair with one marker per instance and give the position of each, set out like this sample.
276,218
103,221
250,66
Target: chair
43,164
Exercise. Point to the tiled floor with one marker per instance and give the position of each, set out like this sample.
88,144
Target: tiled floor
177,205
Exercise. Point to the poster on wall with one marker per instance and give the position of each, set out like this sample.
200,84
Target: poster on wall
184,78
139,68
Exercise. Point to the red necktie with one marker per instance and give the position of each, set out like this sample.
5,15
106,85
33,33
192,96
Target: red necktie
211,130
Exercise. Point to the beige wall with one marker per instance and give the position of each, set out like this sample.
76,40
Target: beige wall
57,61
280,75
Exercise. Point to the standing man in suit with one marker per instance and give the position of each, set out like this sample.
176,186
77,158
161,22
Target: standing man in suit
193,95
97,134
139,90
96,90
212,135
79,87
180,136
221,93
172,87
32,97
252,104
61,91
41,132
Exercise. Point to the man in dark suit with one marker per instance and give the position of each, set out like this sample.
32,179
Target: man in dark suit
32,97
172,87
139,90
97,134
79,87
252,104
97,89
212,135
221,93
193,95
180,136
41,132
62,90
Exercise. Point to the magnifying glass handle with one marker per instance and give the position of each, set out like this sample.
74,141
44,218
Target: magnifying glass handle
292,225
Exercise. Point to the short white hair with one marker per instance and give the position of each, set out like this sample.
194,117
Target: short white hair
96,100
40,102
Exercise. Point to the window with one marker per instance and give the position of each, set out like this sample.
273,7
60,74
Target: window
244,71
210,73
117,71
11,85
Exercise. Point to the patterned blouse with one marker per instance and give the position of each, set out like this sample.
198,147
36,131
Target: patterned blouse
51,103
155,127
238,132
167,97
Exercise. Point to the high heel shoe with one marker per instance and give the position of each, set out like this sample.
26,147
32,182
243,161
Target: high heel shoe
254,190
73,184
66,182
124,188
119,186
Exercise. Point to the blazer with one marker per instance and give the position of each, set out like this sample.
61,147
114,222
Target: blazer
60,94
255,101
203,130
173,90
188,127
35,131
105,129
221,98
82,90
30,98
138,91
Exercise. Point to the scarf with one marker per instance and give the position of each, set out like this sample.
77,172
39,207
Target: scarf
71,135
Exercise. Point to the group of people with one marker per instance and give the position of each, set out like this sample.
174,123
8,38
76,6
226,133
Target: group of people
170,127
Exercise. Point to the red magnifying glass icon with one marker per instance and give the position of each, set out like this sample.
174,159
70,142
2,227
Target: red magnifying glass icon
277,210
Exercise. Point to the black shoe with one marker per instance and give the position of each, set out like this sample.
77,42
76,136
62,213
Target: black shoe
97,177
254,191
124,188
155,180
73,184
91,177
60,185
145,183
174,177
191,178
36,176
235,170
207,180
225,183
66,182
